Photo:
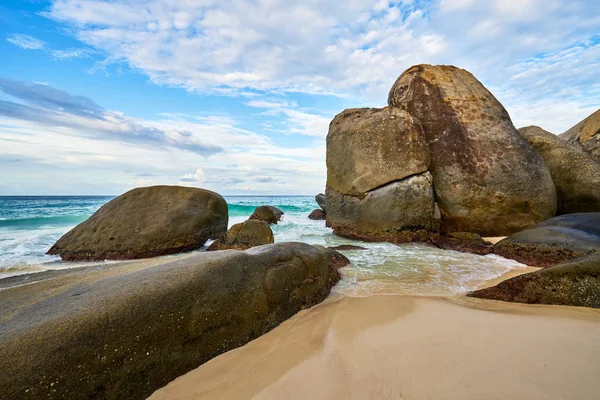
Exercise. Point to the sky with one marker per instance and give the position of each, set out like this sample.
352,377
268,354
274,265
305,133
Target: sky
101,96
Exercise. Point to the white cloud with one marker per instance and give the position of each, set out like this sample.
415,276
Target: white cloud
539,57
55,159
69,54
25,41
195,178
319,47
297,120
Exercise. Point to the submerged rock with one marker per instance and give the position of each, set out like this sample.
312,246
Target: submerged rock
575,173
321,201
242,236
586,135
553,241
465,242
121,331
573,283
146,222
318,215
487,178
269,214
346,247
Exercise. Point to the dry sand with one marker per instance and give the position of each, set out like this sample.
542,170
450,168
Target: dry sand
400,347
494,239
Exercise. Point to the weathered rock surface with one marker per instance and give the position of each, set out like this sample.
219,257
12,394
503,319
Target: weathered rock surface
321,201
487,178
147,222
465,242
368,148
553,241
122,331
586,135
397,212
269,214
242,236
575,173
573,283
318,215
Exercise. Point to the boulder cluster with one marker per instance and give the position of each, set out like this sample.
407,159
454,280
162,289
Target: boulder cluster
586,135
444,157
121,331
568,247
255,231
115,331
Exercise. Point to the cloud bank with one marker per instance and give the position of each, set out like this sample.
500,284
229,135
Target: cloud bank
46,105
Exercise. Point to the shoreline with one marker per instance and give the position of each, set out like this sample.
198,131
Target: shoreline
395,346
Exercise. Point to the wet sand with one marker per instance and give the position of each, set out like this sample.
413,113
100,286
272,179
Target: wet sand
402,347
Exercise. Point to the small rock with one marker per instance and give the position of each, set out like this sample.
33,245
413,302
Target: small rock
317,214
345,247
268,214
244,235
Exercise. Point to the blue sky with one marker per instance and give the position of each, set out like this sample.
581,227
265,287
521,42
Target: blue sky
97,97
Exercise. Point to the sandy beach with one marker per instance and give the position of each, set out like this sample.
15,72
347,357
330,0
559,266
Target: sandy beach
402,347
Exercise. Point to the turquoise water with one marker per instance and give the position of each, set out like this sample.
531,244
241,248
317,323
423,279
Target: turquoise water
29,226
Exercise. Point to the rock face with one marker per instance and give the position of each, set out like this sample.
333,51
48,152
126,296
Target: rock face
487,178
396,212
318,215
121,331
586,135
269,214
378,184
554,241
573,283
242,236
575,173
147,222
368,148
321,201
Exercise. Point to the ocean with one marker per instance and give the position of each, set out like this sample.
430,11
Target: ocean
29,225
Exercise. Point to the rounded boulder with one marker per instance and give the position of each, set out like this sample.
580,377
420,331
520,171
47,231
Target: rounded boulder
147,222
269,214
575,173
488,179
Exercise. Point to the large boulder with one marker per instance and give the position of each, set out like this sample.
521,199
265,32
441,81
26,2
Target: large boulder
573,283
378,184
553,241
269,214
487,178
121,331
368,148
242,236
586,135
147,222
575,173
396,212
